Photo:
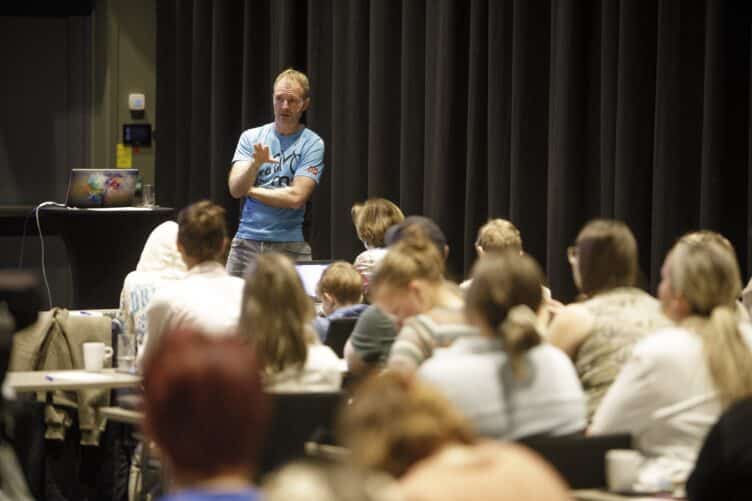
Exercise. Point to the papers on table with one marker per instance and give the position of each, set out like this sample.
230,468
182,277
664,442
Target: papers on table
80,376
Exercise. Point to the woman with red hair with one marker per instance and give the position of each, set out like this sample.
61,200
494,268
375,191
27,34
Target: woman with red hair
206,411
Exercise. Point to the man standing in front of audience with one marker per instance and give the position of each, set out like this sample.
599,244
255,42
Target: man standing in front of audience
275,169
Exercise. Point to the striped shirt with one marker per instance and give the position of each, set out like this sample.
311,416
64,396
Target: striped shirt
421,334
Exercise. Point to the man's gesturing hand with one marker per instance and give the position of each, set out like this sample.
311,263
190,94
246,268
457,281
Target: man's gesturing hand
261,155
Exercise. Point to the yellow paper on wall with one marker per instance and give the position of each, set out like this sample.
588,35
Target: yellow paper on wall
124,156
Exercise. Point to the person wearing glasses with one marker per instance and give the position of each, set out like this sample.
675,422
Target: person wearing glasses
275,170
599,332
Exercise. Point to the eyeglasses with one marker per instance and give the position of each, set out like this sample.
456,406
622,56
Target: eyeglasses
572,253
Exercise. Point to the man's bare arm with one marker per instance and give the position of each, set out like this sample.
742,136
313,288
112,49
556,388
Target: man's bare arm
289,197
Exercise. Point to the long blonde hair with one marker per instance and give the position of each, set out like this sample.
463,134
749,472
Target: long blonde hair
707,276
275,313
504,294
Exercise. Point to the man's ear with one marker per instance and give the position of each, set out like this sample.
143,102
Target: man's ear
306,104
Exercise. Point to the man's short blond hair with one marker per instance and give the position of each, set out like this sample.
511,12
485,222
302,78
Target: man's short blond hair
295,76
499,235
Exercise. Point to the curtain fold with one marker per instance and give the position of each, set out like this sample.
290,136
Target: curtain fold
545,112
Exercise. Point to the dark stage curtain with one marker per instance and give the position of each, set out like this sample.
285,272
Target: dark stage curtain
546,112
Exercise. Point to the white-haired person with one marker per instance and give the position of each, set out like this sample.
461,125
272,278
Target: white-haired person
160,264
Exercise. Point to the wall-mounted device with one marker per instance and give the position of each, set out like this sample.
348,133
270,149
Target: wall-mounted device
137,105
137,134
136,102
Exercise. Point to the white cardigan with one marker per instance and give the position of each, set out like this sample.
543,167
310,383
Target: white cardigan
664,396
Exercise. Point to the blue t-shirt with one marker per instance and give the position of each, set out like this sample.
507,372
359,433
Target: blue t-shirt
300,154
201,495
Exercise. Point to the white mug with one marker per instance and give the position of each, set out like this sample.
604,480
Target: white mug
622,469
95,354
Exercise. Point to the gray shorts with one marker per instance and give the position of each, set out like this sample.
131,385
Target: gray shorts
243,252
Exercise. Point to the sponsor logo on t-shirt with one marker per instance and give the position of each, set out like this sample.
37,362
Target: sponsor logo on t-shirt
313,170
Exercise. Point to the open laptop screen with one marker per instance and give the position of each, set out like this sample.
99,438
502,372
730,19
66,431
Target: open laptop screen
101,187
310,273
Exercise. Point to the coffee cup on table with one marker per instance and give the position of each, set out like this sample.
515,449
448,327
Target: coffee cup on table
95,354
622,469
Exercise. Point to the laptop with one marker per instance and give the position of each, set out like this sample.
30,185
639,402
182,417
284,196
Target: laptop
310,273
97,188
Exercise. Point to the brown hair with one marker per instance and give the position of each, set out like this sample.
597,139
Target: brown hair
202,230
189,378
343,282
373,217
276,312
707,276
606,256
296,76
498,235
394,421
504,294
412,257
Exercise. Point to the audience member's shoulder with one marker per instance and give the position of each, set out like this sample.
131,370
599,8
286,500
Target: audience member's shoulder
668,342
235,281
574,319
373,315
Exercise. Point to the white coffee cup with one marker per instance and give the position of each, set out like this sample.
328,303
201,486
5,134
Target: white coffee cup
95,354
622,469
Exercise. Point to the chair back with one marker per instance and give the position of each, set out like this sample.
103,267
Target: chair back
338,333
579,459
296,419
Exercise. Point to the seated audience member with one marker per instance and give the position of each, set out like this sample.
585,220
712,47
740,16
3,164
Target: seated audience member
328,481
724,465
208,298
705,236
277,315
205,409
409,285
599,333
160,264
497,235
402,427
370,341
500,235
678,380
506,380
372,219
340,290
375,332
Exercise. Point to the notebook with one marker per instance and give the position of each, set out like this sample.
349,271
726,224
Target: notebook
89,188
310,273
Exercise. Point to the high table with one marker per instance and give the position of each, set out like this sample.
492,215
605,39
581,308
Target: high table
46,381
103,245
49,381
